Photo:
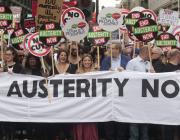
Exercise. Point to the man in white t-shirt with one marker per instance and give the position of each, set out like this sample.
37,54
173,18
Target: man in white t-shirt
140,63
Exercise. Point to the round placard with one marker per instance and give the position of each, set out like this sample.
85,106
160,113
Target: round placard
76,29
110,19
166,41
50,33
17,37
97,36
145,29
6,16
36,47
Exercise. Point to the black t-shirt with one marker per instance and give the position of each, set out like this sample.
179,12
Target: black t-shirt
170,67
158,65
34,71
16,68
71,69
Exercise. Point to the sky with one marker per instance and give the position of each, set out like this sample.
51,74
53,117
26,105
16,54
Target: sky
108,3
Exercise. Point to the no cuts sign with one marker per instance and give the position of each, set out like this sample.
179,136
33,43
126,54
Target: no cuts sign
36,47
176,33
71,13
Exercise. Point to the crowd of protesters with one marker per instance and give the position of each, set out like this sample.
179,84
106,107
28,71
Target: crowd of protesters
73,58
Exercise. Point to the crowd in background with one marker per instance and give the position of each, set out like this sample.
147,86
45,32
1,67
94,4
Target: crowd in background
73,58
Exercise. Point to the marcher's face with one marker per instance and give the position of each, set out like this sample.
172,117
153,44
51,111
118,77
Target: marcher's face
20,57
147,55
115,51
178,59
9,56
128,51
155,54
74,50
32,61
63,57
62,46
87,62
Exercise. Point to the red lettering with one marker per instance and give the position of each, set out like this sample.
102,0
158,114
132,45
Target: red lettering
2,9
50,26
144,22
165,37
135,15
166,49
10,31
148,36
96,28
28,24
19,32
3,23
51,40
99,41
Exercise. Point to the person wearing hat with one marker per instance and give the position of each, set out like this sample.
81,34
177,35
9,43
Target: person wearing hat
115,130
141,64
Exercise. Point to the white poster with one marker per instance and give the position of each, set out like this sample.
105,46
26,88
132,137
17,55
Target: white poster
168,17
76,29
16,11
110,19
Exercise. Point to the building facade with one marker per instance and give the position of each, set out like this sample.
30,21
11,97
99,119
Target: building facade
165,4
155,5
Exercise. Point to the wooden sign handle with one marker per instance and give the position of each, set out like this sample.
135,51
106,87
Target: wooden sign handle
2,51
98,57
52,57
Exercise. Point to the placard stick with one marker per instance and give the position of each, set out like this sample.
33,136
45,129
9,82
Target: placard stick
123,44
150,57
134,49
149,50
13,24
111,49
46,80
78,55
2,51
98,57
43,65
144,44
122,4
52,57
9,38
178,6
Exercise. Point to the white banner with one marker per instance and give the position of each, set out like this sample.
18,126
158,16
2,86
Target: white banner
93,97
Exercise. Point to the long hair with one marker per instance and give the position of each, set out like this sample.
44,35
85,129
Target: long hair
38,62
84,56
59,53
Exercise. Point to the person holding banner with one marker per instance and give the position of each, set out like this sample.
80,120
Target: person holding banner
157,56
173,61
172,65
33,65
141,64
115,130
87,64
74,57
12,64
97,55
118,62
86,131
63,66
